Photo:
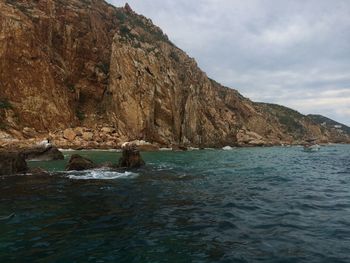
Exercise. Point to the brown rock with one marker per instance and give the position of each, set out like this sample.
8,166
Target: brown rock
131,158
107,130
88,136
79,163
29,132
69,134
12,163
40,153
78,131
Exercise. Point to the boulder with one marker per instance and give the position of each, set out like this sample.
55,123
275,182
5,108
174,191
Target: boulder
79,131
29,132
79,163
142,145
69,134
107,130
12,163
88,136
43,153
131,157
245,138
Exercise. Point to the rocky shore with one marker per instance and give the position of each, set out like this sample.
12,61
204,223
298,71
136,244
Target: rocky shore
107,138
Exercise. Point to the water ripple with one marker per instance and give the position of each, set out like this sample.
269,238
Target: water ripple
243,205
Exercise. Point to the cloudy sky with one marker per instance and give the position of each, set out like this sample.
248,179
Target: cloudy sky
295,53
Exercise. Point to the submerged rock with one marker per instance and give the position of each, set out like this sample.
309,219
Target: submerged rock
38,171
79,163
12,163
131,157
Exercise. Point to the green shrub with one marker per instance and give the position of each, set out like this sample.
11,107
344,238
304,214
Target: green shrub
71,87
80,115
104,67
124,31
173,55
121,17
5,104
3,126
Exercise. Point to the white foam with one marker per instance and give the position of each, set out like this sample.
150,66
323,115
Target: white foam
165,149
227,148
101,175
66,150
91,150
193,149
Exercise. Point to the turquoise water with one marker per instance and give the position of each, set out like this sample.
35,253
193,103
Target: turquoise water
245,205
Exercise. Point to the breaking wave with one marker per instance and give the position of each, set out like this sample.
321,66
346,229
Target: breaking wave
101,175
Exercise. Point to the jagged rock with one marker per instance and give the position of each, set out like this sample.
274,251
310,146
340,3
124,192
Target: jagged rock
69,134
131,157
12,163
79,163
128,8
42,153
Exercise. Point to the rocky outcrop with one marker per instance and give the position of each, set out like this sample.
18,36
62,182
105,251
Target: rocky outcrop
79,163
248,138
117,75
131,158
41,153
12,163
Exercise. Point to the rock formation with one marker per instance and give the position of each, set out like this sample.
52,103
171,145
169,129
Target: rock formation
131,157
40,153
12,163
79,163
84,63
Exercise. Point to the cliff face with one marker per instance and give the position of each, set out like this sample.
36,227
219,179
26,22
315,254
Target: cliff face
72,63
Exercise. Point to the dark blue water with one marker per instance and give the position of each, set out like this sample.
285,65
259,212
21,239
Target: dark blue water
244,205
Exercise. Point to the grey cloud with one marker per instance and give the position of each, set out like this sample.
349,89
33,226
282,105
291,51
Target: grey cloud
294,53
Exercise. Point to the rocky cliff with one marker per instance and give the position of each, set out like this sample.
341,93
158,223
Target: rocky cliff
84,63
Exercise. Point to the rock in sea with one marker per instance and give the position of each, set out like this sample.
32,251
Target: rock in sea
43,153
79,163
131,157
12,163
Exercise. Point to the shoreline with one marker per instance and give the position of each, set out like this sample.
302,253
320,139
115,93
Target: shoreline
18,145
109,139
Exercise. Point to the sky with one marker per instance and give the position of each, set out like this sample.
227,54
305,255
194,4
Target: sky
294,53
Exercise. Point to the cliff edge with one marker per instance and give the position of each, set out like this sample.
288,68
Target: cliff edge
107,74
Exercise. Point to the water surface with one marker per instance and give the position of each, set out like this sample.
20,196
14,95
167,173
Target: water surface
245,205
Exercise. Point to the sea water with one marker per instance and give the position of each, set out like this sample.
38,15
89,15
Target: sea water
240,205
